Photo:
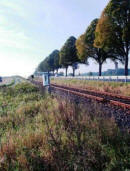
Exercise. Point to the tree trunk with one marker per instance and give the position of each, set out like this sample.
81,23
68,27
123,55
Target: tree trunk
73,72
126,63
100,69
66,71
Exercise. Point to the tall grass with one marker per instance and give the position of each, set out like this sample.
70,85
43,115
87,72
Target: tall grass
111,87
43,133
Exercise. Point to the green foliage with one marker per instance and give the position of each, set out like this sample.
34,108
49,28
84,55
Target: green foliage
8,85
113,29
68,53
25,88
54,60
56,57
81,48
50,63
43,66
86,48
85,42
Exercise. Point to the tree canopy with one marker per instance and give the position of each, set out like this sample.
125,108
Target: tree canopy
56,56
53,60
44,66
86,48
50,63
113,29
68,53
81,48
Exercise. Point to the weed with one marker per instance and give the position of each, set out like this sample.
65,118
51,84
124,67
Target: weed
43,133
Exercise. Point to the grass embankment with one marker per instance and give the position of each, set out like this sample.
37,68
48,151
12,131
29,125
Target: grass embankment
40,133
111,87
8,85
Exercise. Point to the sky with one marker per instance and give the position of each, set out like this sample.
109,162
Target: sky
31,29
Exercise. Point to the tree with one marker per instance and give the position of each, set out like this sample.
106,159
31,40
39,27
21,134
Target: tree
53,60
86,48
56,59
81,48
74,67
68,53
113,29
44,66
50,63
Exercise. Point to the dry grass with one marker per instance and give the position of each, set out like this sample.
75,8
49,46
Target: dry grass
49,134
111,87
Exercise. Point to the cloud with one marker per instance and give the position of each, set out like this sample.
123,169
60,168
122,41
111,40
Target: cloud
13,39
18,27
13,7
11,35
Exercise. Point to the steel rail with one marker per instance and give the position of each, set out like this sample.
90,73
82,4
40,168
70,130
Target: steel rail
103,99
109,96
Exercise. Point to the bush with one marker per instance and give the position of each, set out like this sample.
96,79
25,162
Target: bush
25,88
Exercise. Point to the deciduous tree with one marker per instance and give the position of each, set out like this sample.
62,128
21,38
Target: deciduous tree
53,60
50,63
56,59
43,66
113,29
68,53
86,48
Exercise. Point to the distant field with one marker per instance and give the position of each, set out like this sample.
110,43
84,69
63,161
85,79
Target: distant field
111,87
12,80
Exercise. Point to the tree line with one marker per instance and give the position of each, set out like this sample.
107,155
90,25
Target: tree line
105,38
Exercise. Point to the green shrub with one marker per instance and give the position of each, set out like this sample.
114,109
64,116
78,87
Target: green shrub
25,88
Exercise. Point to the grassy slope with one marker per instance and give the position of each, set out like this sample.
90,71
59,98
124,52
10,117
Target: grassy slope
41,133
112,87
11,81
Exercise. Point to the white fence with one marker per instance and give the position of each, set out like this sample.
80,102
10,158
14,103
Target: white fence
99,78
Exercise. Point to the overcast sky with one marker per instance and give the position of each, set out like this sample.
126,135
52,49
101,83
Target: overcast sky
32,29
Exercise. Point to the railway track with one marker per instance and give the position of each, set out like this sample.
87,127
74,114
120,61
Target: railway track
111,105
102,97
